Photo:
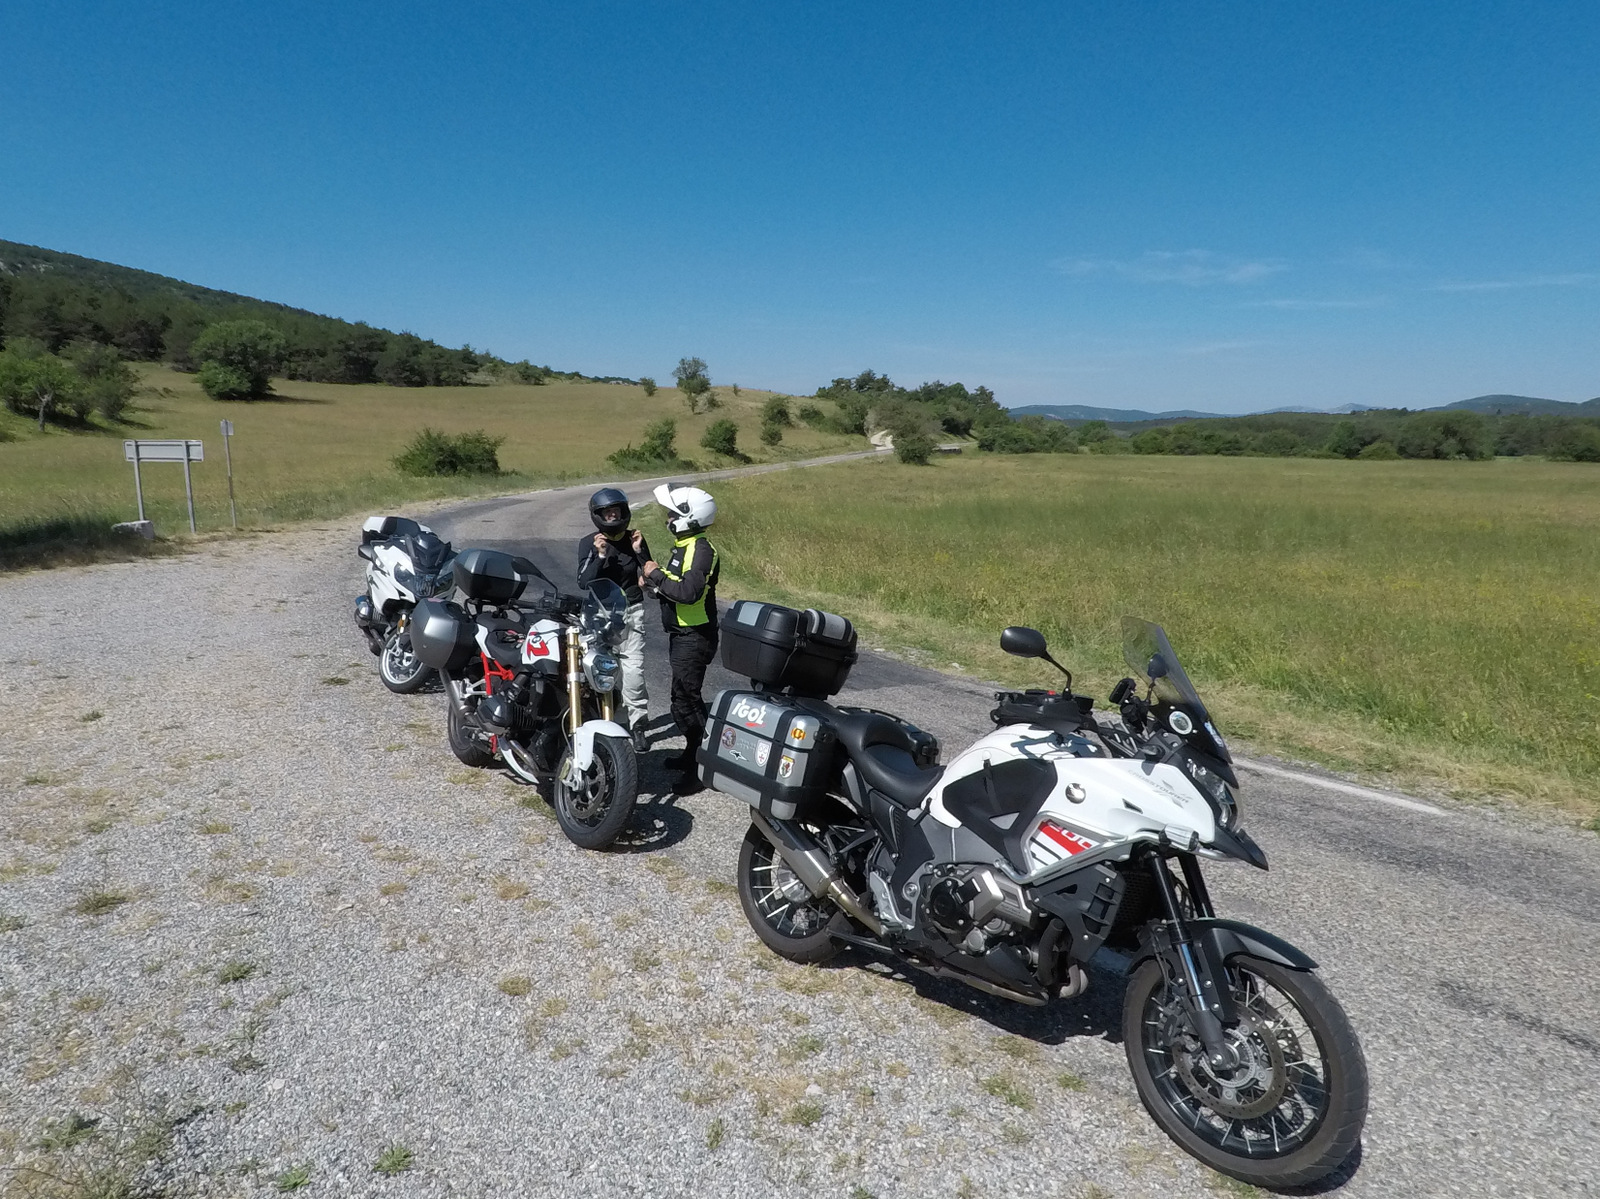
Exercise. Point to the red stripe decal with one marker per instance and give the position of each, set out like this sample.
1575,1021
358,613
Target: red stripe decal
1070,842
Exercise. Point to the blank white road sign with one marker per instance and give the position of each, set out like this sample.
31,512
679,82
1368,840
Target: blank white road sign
175,450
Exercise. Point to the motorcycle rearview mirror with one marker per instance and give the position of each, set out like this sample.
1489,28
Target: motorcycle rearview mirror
1158,668
366,552
1024,642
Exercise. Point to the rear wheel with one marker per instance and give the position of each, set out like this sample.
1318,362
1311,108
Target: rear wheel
1290,1108
790,921
594,811
401,670
466,738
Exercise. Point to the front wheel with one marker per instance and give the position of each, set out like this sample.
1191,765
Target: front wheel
401,670
790,921
1288,1111
594,812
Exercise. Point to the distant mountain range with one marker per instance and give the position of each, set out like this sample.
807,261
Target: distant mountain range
1497,405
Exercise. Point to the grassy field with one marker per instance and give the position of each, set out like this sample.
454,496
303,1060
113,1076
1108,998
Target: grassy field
1422,620
319,449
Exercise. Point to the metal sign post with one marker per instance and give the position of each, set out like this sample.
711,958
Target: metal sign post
174,450
227,451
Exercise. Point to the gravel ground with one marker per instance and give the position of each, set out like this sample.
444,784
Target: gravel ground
254,915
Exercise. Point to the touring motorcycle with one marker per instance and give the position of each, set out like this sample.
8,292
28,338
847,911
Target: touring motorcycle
532,684
1009,867
406,562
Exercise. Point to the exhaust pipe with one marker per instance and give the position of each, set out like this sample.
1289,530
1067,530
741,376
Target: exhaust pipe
811,866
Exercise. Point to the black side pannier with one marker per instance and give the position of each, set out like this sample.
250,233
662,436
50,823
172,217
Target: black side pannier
443,635
806,653
762,749
488,576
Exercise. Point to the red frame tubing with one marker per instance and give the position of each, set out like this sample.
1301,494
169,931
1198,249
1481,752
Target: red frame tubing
492,670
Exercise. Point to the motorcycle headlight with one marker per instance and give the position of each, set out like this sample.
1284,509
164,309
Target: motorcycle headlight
408,580
601,668
1223,801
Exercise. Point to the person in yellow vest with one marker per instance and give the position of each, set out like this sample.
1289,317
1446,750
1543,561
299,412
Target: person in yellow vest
686,584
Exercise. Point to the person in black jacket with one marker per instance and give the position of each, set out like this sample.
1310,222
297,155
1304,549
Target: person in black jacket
618,553
687,586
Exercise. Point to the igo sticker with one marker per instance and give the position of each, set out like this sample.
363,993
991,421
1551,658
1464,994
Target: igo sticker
785,766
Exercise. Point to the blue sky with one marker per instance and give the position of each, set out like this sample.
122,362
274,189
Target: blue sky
1158,205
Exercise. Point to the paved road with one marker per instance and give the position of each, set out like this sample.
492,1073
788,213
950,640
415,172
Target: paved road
1462,942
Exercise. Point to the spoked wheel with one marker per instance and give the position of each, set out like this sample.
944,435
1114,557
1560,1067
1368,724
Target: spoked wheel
398,665
1287,1110
594,812
790,921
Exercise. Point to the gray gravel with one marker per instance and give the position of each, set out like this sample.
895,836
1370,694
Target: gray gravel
390,906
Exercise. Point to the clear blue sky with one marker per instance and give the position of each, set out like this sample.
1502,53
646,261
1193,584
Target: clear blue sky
1226,206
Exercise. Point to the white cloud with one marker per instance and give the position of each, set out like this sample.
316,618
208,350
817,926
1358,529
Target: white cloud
1192,268
1582,279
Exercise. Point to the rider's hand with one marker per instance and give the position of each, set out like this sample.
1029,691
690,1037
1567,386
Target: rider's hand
600,546
638,541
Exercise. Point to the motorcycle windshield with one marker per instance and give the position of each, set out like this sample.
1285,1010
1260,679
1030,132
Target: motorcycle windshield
1147,651
603,608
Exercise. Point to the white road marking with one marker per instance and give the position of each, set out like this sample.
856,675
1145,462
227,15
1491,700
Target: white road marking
1396,801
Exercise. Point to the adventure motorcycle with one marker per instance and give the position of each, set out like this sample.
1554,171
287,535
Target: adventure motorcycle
406,562
1010,866
533,685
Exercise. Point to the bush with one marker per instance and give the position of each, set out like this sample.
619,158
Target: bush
776,412
432,453
722,437
658,449
914,448
108,381
1381,450
1448,434
648,384
38,384
771,433
249,350
1576,443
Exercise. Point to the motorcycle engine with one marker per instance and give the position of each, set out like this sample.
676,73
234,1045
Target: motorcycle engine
972,907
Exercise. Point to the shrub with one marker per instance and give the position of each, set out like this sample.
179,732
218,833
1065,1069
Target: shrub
915,448
776,412
1151,441
1447,434
648,384
1576,443
1383,451
431,453
771,433
108,381
34,383
657,449
250,351
722,437
811,415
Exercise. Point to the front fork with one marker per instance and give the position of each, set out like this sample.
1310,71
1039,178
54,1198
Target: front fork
1192,965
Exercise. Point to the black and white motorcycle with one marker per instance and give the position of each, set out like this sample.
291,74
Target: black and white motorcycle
406,562
1009,868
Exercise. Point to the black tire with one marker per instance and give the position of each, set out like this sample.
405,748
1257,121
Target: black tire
399,667
463,741
790,921
1320,1096
593,817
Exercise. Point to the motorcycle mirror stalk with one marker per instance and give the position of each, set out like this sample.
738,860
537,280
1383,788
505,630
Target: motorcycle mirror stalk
1023,642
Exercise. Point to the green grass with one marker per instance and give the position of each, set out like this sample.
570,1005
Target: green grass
395,1159
319,450
1428,620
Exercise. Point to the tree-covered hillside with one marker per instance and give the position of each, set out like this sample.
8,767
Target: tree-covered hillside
62,303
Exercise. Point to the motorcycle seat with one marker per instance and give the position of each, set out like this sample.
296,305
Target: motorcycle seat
881,750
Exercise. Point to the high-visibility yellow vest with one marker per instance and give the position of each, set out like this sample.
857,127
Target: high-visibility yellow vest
691,614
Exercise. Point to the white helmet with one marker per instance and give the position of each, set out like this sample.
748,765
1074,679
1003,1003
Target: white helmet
689,509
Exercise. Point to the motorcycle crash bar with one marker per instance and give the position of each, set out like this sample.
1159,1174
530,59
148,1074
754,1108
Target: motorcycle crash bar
814,870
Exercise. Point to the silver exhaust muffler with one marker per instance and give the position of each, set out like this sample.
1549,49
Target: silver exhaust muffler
811,866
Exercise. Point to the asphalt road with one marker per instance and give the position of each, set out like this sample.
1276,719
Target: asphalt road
1462,941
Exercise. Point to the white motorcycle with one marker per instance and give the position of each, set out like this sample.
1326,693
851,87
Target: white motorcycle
1033,848
406,563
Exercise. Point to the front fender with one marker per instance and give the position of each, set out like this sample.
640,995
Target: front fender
583,741
1223,939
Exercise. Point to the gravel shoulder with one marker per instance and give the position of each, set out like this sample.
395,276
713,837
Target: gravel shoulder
255,913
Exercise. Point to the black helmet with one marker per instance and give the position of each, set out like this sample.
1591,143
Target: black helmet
609,497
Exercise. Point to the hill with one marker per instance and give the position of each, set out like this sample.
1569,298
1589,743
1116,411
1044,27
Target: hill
62,300
1494,405
1526,406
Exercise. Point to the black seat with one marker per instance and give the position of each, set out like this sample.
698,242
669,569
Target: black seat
881,750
